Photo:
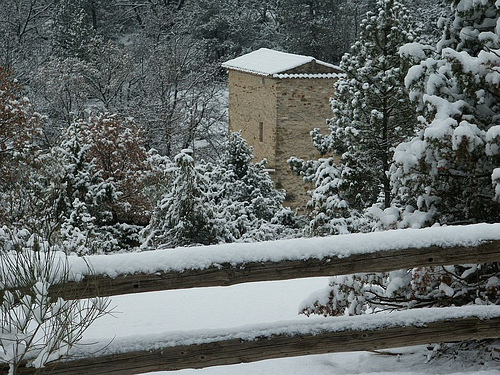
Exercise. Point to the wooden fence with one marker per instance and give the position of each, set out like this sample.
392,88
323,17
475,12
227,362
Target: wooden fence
227,274
328,340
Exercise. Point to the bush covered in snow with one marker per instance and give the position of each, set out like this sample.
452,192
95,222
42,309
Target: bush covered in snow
234,200
446,174
36,327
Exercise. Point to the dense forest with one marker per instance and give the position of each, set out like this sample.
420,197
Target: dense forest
103,95
159,61
113,131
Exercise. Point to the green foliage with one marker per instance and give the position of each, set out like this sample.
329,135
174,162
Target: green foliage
78,192
321,28
234,200
448,173
371,115
245,193
184,216
448,167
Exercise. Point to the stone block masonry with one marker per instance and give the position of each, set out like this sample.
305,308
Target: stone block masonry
276,110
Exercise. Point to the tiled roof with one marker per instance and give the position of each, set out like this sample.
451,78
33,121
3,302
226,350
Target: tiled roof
307,75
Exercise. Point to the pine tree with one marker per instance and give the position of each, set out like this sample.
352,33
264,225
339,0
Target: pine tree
80,194
184,216
232,201
371,115
447,169
248,181
426,14
92,192
116,149
245,197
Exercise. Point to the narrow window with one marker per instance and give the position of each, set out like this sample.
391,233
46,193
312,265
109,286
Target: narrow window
261,131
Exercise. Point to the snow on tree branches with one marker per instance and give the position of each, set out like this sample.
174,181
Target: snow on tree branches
232,201
35,326
371,115
448,168
444,174
20,129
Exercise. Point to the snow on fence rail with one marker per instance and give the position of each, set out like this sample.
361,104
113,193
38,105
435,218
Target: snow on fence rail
240,263
287,339
231,264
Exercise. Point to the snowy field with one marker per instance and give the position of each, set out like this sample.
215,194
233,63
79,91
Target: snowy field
246,304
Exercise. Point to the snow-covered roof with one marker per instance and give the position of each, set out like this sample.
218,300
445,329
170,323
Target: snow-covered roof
268,62
306,75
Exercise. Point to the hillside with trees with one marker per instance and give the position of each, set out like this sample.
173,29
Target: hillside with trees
159,61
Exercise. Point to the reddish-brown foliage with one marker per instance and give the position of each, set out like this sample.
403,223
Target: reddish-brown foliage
117,149
19,127
18,123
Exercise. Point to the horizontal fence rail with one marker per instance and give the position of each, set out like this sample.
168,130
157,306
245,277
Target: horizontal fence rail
226,274
228,265
242,350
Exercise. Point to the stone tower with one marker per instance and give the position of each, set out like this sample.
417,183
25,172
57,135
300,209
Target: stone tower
276,99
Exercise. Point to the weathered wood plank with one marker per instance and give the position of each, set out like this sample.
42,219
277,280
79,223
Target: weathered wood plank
226,274
278,346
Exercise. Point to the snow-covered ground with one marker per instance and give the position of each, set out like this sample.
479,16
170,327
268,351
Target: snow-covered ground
247,304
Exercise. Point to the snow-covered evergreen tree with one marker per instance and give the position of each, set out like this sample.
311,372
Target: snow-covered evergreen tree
80,192
245,195
93,191
450,169
447,169
116,147
184,216
426,13
371,115
232,201
248,181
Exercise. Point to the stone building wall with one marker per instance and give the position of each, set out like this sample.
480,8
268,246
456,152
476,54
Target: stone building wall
302,105
311,68
252,109
275,116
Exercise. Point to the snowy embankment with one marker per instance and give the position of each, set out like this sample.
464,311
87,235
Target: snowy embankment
181,259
